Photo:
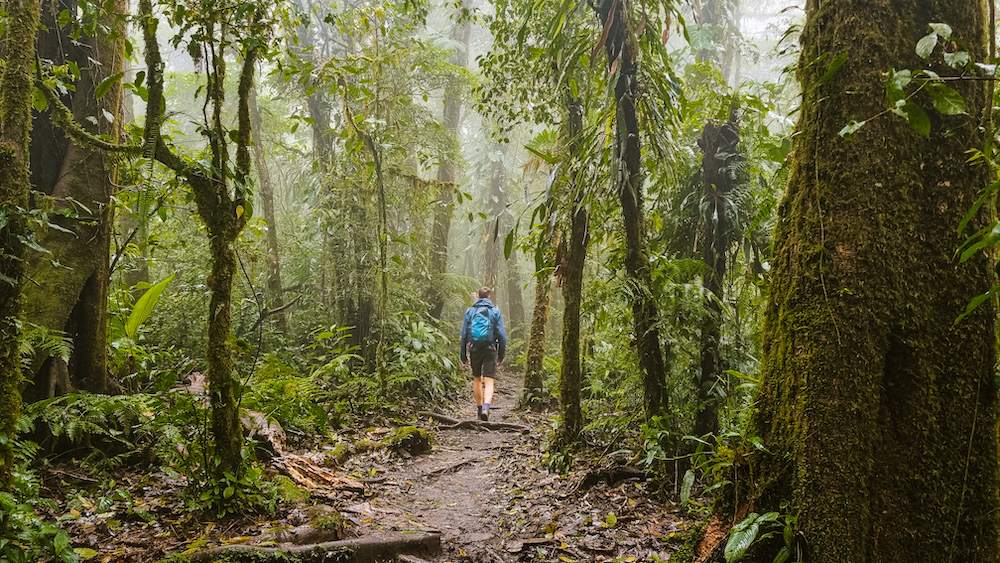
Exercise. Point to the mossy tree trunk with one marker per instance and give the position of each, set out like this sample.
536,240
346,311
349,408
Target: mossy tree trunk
720,146
73,296
222,203
621,53
571,374
17,50
880,413
534,360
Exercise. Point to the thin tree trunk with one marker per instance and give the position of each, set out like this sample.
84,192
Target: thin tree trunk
621,54
266,193
534,370
571,376
720,153
515,299
878,411
497,203
447,176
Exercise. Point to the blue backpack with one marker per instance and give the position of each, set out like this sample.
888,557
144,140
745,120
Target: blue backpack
482,327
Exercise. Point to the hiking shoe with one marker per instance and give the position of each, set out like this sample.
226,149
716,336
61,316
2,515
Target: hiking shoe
479,413
484,414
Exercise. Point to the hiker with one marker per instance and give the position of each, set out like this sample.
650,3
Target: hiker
485,345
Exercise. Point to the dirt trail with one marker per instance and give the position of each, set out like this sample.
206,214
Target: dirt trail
461,487
491,499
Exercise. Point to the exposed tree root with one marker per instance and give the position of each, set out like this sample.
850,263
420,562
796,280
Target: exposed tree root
361,550
455,424
611,475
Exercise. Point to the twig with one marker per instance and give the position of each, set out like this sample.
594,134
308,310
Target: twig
275,311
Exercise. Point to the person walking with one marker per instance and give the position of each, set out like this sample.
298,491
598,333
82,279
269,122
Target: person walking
484,344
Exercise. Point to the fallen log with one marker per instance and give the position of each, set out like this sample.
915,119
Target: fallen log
361,550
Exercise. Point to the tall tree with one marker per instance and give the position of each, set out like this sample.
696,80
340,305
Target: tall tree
878,412
623,65
447,171
721,156
221,189
571,375
17,51
266,191
71,294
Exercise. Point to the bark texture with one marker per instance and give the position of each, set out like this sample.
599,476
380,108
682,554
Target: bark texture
72,296
621,54
571,375
17,50
880,413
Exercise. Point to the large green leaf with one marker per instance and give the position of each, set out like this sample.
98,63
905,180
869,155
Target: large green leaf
916,117
945,99
144,307
740,538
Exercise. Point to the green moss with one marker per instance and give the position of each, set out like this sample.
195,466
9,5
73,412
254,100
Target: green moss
413,440
288,491
325,518
687,552
252,556
340,453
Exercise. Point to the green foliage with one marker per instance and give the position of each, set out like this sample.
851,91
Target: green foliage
24,536
232,494
281,393
422,364
758,528
113,429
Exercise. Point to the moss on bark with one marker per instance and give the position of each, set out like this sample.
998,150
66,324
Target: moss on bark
879,413
17,50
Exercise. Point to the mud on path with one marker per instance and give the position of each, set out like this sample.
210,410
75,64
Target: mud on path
491,499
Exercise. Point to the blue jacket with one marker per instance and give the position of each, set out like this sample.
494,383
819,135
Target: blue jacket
500,344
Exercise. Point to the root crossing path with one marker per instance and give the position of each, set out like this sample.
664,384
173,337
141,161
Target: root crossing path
491,499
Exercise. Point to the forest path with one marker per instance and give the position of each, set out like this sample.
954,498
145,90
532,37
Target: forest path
463,487
492,500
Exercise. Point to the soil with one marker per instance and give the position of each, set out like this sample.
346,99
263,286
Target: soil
487,493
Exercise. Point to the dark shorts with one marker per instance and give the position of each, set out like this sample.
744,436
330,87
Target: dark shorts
484,362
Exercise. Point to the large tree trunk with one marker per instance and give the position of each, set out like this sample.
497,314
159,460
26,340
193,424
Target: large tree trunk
72,296
571,376
621,53
879,413
17,50
447,176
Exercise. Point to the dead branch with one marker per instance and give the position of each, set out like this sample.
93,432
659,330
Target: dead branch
451,467
271,312
611,475
360,550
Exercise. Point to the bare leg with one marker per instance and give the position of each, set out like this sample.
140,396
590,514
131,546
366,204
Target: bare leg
487,391
477,389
